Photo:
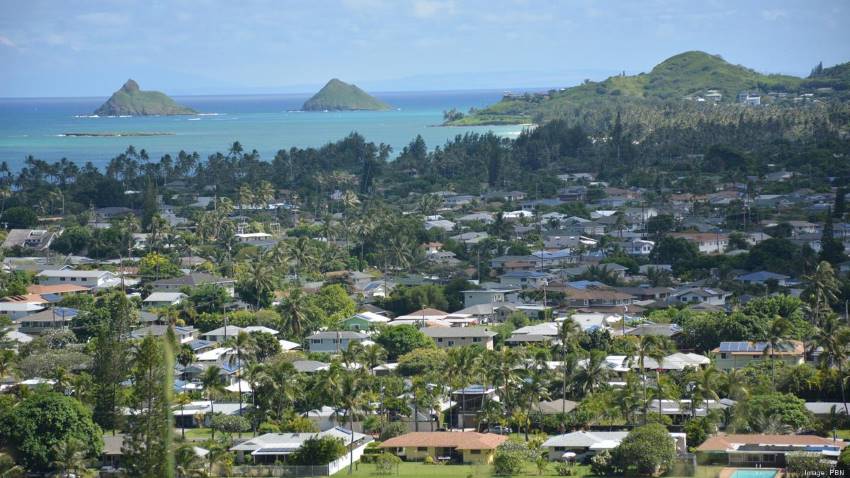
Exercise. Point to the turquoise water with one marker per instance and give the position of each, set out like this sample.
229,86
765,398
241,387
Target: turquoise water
754,473
266,123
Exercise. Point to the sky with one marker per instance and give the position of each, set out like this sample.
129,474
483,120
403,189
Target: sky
89,48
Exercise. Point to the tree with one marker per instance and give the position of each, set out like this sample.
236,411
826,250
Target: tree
147,449
833,340
256,283
421,362
648,450
294,309
832,249
821,291
70,456
775,337
676,251
319,451
245,346
211,382
351,399
401,339
658,226
840,206
785,408
266,346
510,457
73,240
34,428
110,320
155,266
19,217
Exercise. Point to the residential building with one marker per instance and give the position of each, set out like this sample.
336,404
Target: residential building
707,242
488,296
764,450
734,355
700,295
37,239
524,279
447,337
271,448
333,341
56,318
458,447
93,279
163,299
580,445
192,281
763,278
364,321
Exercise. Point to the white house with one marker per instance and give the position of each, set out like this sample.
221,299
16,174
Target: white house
94,279
333,341
163,299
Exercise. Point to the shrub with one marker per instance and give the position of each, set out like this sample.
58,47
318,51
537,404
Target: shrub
565,469
429,460
393,429
648,450
510,458
319,451
230,424
385,463
600,464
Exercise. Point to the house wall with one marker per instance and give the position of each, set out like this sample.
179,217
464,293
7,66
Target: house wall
739,361
444,342
478,456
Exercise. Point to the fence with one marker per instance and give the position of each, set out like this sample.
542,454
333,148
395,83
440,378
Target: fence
299,470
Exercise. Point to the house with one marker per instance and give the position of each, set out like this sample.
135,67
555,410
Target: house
763,278
681,410
595,297
184,334
700,295
637,247
457,447
271,448
255,238
57,289
332,341
447,337
364,321
199,413
707,242
661,330
443,224
163,299
524,279
764,450
471,237
484,217
18,310
488,296
94,279
192,281
56,318
581,445
555,407
221,334
733,355
37,239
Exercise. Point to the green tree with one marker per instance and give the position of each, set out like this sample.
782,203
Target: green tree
155,266
19,217
648,451
821,291
148,448
319,451
70,457
33,428
257,283
402,339
111,319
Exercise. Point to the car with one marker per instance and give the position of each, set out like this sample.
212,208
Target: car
500,430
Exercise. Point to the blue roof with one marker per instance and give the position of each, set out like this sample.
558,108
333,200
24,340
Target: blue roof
750,347
199,344
52,298
65,311
584,284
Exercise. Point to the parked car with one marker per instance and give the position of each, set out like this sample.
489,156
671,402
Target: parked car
500,430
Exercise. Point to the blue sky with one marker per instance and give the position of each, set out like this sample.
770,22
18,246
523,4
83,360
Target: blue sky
89,48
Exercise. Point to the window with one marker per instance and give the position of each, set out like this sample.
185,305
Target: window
474,452
422,449
476,339
723,355
451,342
439,340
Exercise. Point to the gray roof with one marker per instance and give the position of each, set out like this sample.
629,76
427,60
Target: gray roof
582,439
191,280
309,366
457,332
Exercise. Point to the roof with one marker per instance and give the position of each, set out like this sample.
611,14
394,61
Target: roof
761,276
286,443
309,366
730,442
370,317
56,289
456,332
792,347
52,315
164,297
556,406
457,440
72,273
193,279
583,439
665,330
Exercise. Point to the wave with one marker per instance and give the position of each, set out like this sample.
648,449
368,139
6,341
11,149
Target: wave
86,116
194,119
211,114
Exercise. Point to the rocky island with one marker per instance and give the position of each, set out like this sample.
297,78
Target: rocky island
338,95
130,100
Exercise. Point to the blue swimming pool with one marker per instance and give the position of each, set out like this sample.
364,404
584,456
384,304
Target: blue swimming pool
753,473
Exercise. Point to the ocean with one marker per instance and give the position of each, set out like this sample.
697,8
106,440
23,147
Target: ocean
267,123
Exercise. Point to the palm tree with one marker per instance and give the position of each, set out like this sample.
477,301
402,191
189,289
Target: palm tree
648,346
182,399
211,381
372,356
704,385
350,398
245,346
833,339
69,456
304,254
535,388
776,334
7,361
594,372
462,366
260,279
734,384
568,333
187,463
293,308
822,290
264,193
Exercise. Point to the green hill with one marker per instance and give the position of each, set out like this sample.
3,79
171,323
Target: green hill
337,95
694,76
130,100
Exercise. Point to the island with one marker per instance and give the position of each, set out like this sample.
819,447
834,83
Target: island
132,101
338,95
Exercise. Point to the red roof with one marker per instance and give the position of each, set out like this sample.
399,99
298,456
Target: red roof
457,440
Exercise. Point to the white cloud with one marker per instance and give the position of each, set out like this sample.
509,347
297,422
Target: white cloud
773,15
5,41
431,8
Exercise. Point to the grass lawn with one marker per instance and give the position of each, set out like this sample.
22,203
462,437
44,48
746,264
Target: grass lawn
414,469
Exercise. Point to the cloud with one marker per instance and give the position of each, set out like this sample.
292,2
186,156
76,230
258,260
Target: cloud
104,19
5,41
773,15
431,8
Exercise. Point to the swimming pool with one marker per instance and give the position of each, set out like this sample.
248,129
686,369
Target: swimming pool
753,473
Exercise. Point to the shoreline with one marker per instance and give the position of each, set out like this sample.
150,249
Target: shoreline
115,134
